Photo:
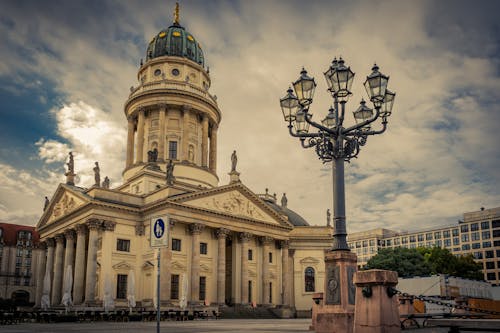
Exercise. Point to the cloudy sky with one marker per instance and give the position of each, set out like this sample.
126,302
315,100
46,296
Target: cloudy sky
66,68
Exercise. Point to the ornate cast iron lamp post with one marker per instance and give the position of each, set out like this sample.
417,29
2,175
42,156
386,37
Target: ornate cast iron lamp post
332,141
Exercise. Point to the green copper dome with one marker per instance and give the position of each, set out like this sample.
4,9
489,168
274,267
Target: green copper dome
175,41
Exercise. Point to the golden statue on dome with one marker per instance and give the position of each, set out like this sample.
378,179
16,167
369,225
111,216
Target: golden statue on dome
176,13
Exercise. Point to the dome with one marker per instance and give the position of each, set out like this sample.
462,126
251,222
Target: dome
293,217
175,41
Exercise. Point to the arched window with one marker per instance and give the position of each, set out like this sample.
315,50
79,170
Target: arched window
309,279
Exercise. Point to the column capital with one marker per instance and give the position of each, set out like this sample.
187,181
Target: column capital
245,236
162,105
41,245
81,229
94,224
222,233
284,244
69,234
59,238
139,229
196,228
109,225
50,242
266,240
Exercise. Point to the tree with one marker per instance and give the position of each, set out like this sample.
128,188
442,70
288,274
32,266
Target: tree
426,261
407,262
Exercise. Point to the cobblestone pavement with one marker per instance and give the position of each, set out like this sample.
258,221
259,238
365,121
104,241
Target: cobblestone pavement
197,326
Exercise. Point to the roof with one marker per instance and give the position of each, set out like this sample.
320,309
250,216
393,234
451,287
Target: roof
293,217
175,41
10,231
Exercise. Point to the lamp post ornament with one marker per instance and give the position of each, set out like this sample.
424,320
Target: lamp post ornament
333,141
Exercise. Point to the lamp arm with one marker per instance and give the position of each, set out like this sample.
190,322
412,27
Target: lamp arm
304,135
364,123
311,143
319,126
384,127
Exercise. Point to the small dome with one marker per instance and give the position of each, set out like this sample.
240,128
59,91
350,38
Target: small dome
175,41
293,217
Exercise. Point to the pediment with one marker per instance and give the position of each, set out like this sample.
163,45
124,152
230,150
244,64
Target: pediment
64,201
309,260
148,265
205,268
123,265
237,203
178,266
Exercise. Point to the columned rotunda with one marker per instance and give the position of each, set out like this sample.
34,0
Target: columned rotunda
228,245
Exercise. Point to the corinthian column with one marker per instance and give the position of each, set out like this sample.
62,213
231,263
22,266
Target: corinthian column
244,238
195,230
266,242
213,149
130,141
185,133
284,244
221,265
58,271
108,228
90,277
78,291
161,141
70,253
140,137
204,141
40,271
49,266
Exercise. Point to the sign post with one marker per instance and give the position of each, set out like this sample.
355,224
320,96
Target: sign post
158,238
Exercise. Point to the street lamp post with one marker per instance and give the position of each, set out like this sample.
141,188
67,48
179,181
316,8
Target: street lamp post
338,144
332,141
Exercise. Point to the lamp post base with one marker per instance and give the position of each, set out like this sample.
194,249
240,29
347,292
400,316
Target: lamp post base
335,311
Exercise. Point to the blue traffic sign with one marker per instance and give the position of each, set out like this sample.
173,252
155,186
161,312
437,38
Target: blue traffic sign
159,228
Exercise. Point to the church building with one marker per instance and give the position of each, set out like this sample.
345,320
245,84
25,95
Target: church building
227,245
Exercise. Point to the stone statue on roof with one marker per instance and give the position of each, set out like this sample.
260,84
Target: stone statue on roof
284,201
105,182
234,161
170,172
71,163
46,203
97,174
328,217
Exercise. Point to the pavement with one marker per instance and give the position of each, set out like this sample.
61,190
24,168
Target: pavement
195,326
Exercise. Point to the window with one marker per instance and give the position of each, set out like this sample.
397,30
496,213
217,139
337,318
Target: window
465,247
439,243
270,292
1,233
437,235
309,279
474,227
396,241
358,244
485,225
365,243
421,237
486,235
496,233
203,288
474,236
464,228
496,243
388,242
270,257
413,239
428,236
486,244
489,254
176,244
465,237
121,286
491,276
446,233
250,254
404,240
447,242
478,255
123,245
490,265
456,241
454,232
495,223
372,242
174,286
476,245
249,291
172,150
203,248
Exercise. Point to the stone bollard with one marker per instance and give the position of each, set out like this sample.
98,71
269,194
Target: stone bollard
376,309
317,303
406,305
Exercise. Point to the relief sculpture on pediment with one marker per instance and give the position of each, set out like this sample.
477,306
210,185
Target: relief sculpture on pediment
235,203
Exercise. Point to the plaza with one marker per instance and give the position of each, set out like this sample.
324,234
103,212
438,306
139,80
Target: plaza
198,326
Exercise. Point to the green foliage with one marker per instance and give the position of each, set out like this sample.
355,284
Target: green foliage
407,262
425,261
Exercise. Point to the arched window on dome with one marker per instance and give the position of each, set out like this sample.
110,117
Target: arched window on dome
309,279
